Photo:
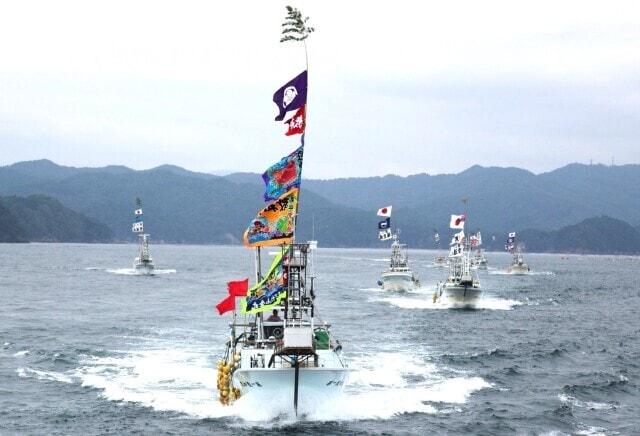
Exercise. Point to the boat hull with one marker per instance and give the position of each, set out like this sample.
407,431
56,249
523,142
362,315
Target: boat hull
518,269
315,385
398,281
143,268
460,296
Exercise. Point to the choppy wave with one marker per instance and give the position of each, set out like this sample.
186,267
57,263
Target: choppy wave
21,353
26,372
592,405
183,380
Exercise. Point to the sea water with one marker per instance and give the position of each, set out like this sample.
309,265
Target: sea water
88,347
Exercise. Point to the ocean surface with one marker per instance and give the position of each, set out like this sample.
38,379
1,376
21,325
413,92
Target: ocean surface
88,348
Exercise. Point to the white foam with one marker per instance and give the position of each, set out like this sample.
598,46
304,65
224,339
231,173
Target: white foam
26,372
182,378
591,405
529,273
486,303
21,353
133,272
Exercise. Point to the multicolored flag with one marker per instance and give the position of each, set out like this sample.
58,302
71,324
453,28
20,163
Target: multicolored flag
297,123
283,175
271,290
275,224
292,95
457,221
385,211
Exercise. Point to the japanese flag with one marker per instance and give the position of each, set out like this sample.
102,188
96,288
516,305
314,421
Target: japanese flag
457,221
385,211
138,212
512,234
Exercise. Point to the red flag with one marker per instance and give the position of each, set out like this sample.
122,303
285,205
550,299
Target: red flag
226,305
238,288
297,123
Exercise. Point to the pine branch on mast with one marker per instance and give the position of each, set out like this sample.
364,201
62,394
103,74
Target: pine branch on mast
295,27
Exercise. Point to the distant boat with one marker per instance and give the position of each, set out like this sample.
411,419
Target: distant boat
439,261
143,263
461,289
398,277
518,266
479,261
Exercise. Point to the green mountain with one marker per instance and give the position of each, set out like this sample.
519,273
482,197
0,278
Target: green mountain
43,219
10,229
594,235
180,206
188,207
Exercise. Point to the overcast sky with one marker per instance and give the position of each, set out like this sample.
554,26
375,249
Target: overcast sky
394,87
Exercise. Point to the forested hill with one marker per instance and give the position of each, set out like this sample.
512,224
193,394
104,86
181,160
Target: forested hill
43,219
182,206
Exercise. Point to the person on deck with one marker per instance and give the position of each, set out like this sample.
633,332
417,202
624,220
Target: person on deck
274,316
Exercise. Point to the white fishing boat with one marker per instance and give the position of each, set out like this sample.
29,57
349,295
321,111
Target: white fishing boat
518,266
398,277
462,288
143,263
480,260
290,357
439,261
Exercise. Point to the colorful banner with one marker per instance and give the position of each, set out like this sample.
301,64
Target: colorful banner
275,224
271,290
283,175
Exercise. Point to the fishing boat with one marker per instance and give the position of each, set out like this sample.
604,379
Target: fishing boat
518,266
462,288
398,277
279,350
143,263
290,354
439,261
480,260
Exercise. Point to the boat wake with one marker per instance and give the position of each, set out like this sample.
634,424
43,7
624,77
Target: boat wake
182,378
485,303
530,273
133,272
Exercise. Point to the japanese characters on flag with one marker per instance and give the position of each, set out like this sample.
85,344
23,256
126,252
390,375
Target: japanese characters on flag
297,123
385,211
384,235
137,227
456,250
458,238
457,221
